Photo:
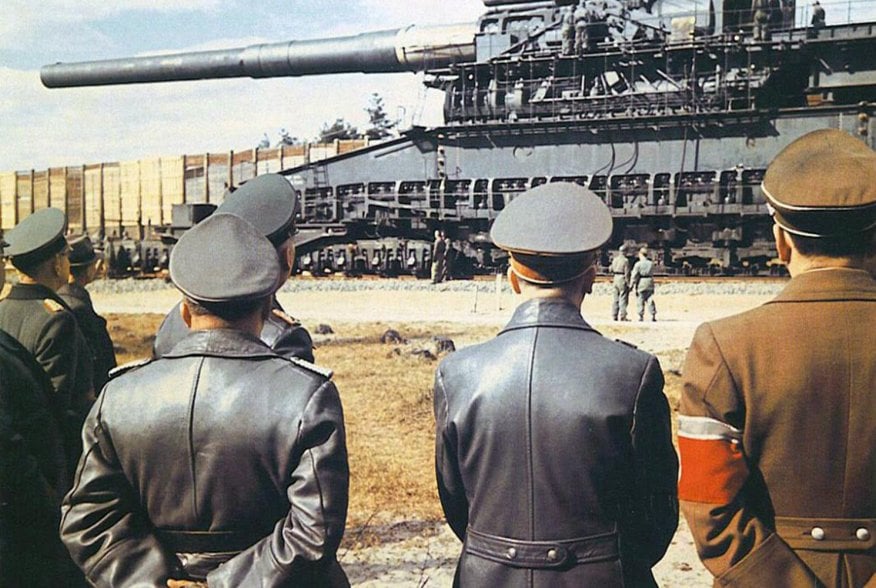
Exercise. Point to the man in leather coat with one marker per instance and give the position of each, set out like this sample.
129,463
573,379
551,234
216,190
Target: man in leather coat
221,461
554,457
269,203
777,423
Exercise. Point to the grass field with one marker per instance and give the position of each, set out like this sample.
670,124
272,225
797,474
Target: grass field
387,396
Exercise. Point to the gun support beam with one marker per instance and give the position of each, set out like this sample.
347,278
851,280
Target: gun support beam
407,49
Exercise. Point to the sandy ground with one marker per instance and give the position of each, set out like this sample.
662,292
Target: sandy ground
416,553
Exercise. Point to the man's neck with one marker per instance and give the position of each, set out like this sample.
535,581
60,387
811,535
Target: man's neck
800,264
252,325
26,280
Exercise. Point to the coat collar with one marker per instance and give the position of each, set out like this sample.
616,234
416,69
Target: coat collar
547,312
829,284
74,290
220,343
34,292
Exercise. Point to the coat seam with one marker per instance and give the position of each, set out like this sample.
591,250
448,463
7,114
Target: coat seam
191,436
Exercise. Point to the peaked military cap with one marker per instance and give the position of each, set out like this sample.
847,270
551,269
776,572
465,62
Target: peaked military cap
823,185
82,250
225,259
37,237
550,230
268,202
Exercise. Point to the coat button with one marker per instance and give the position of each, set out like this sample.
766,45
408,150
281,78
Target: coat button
511,553
817,533
862,534
552,555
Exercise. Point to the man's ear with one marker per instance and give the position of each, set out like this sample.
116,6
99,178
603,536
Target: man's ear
588,278
186,313
513,280
783,244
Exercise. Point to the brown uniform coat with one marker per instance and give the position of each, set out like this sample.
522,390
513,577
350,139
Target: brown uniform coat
777,435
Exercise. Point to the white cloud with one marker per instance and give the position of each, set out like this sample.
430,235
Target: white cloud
27,21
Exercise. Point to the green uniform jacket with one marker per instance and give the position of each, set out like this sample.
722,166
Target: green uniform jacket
43,323
777,428
93,327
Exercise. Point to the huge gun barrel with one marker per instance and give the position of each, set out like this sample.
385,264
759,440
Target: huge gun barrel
411,48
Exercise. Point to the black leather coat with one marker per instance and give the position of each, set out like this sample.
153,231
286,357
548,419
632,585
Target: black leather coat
33,473
221,451
554,456
281,333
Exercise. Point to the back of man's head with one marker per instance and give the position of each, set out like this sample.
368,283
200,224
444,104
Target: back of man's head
224,267
821,190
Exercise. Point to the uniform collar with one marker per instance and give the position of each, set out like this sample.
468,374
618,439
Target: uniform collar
829,284
34,292
547,312
75,290
220,343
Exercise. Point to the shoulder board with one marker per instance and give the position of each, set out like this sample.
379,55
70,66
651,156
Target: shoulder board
118,371
324,372
52,305
627,343
286,318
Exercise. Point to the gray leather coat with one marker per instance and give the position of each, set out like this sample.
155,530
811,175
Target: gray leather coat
221,452
554,456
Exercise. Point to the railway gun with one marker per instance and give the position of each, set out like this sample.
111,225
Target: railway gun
671,115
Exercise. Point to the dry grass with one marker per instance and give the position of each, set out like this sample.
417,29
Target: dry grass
387,397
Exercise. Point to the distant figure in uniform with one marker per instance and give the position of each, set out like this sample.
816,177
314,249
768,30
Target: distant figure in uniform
554,457
761,19
582,16
84,269
439,257
777,423
41,321
620,284
642,281
269,202
33,472
221,461
568,33
819,17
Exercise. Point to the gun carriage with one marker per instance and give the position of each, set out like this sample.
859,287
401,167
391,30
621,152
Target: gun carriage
670,115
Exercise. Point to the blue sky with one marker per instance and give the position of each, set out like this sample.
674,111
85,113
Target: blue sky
41,128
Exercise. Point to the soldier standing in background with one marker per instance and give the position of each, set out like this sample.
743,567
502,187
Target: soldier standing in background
220,461
620,284
642,281
269,203
41,321
761,19
777,420
84,269
439,257
33,473
819,18
554,455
